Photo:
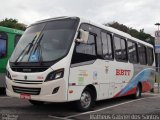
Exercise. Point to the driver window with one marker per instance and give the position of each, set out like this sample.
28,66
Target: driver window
85,51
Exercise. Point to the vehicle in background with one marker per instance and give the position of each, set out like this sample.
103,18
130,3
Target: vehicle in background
8,40
71,59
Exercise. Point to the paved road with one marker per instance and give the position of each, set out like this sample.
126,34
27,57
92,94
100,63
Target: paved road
23,110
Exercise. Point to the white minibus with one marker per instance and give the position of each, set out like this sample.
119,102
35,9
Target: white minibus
71,59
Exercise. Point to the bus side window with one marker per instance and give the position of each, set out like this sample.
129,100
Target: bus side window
3,44
16,39
132,52
120,49
85,52
107,46
150,57
142,54
97,33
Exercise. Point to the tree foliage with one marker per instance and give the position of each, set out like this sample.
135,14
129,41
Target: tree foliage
12,23
133,32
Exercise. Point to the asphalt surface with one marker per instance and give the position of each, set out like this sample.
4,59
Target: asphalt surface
17,109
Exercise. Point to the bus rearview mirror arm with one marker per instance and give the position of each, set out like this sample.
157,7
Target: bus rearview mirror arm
83,36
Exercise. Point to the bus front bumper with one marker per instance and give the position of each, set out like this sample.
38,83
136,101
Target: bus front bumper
46,93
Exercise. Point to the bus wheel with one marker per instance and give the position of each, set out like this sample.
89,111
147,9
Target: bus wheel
33,102
152,90
2,91
138,92
86,101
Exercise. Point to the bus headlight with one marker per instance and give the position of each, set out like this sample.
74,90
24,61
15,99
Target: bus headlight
8,74
55,75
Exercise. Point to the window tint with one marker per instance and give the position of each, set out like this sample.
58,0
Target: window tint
142,54
57,36
3,44
118,52
107,46
97,32
132,52
123,48
120,49
88,48
150,57
85,52
17,37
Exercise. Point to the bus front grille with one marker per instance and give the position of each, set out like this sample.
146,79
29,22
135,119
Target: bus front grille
24,90
29,69
28,81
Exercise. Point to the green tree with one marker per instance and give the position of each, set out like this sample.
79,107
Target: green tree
12,23
133,32
118,26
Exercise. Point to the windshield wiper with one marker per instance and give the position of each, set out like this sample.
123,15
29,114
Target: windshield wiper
38,46
40,54
23,52
40,50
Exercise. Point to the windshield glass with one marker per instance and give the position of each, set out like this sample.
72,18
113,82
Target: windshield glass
45,42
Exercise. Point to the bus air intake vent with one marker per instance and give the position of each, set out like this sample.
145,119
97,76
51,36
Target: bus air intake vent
28,81
28,70
24,90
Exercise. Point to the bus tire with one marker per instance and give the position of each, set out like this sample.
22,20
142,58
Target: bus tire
2,91
36,103
138,93
152,90
86,101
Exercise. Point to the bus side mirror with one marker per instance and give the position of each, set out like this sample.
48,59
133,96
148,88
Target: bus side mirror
83,36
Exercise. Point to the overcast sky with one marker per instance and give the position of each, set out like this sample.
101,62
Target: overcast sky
134,13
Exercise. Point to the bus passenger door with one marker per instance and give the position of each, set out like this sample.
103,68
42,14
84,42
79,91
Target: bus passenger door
108,82
110,78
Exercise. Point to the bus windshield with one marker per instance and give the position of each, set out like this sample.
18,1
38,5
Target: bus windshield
45,42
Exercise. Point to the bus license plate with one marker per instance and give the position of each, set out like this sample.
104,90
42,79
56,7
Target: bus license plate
25,96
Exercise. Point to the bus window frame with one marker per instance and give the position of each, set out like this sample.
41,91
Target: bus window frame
125,39
145,53
152,55
112,47
101,29
90,61
129,40
90,30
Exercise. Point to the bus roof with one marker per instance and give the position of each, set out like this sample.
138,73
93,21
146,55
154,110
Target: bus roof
107,28
10,30
50,19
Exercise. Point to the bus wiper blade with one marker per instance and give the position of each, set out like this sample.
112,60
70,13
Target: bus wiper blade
40,50
38,46
30,46
38,43
40,54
